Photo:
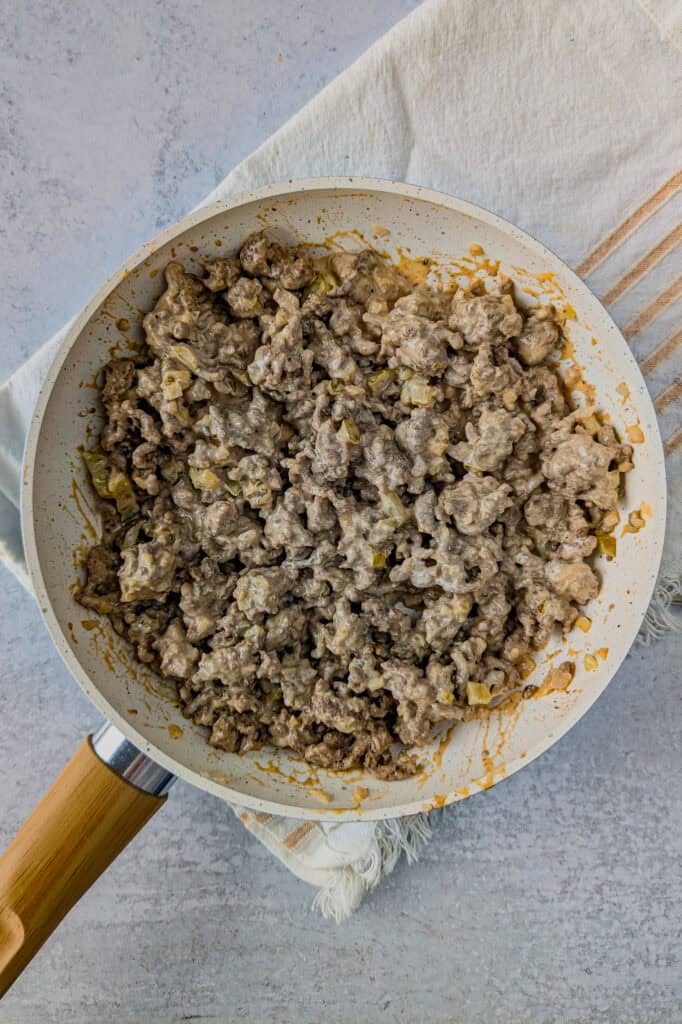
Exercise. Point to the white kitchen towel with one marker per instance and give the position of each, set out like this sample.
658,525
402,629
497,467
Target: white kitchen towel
562,117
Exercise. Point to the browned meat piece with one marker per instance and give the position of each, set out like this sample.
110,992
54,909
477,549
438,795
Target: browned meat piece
147,571
263,257
245,297
102,570
539,337
475,503
222,273
485,318
119,377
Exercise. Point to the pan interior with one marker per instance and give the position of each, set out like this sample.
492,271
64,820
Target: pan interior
409,224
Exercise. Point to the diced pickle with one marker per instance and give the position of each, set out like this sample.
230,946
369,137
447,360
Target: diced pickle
204,479
394,508
257,493
378,382
98,467
348,432
336,386
321,284
121,490
378,559
233,487
606,544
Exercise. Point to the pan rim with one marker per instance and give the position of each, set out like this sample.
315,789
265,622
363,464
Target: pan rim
199,216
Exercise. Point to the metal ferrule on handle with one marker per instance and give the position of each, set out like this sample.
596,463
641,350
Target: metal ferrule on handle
123,757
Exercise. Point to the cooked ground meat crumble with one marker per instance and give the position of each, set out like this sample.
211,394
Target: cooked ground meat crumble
340,509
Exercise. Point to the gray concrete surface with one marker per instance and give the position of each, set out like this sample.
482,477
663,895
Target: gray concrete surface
555,896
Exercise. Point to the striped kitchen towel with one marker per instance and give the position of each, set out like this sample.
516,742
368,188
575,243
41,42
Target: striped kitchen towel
563,118
637,272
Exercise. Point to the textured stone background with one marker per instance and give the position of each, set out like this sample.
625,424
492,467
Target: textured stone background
554,897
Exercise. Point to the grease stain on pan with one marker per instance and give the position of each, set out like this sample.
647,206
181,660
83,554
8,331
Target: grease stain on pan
417,269
308,778
443,745
85,509
222,778
360,794
624,392
311,779
117,654
494,730
494,762
321,794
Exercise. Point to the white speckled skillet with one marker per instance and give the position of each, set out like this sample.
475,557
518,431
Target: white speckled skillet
420,222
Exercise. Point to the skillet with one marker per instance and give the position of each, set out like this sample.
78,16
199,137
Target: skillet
120,777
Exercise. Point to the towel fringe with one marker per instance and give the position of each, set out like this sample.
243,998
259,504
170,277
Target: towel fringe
348,886
660,618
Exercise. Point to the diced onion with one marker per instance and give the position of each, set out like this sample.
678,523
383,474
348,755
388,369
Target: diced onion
478,693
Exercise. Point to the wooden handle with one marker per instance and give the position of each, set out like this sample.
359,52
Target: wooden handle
80,826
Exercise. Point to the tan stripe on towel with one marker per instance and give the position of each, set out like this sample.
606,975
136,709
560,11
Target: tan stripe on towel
261,818
661,353
673,442
653,310
640,215
649,261
295,837
668,396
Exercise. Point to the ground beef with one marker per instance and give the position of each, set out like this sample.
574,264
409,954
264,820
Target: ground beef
340,510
